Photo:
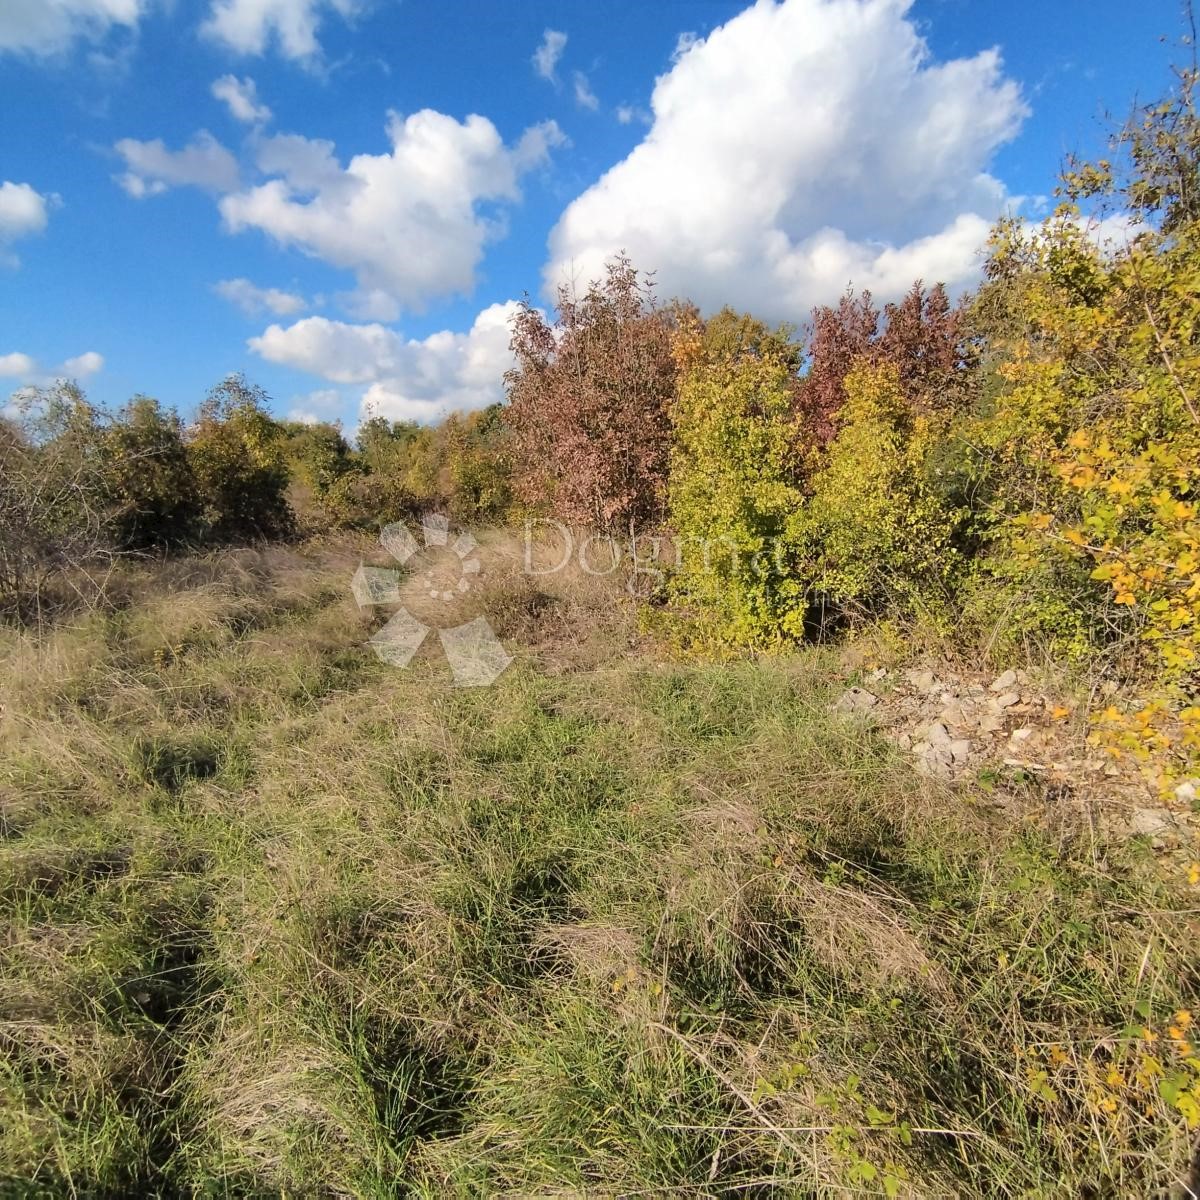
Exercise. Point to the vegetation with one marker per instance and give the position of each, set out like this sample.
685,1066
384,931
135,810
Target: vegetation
648,915
280,919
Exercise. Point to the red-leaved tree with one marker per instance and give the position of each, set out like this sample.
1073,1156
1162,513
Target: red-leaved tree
588,404
922,336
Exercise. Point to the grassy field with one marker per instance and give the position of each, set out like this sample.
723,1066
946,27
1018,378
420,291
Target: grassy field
277,919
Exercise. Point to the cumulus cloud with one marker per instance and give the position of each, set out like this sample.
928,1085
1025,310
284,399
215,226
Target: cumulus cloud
24,369
408,222
23,211
46,27
254,300
16,366
549,51
325,404
407,379
241,97
82,365
803,145
251,26
202,163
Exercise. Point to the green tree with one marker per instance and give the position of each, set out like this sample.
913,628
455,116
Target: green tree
734,488
149,478
237,453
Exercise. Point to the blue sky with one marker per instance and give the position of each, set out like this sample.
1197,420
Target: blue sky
168,212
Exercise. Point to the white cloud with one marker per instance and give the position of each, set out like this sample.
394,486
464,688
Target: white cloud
408,222
584,96
683,43
23,211
83,365
546,56
254,300
202,163
628,113
25,369
241,96
250,26
46,27
311,408
804,145
16,365
408,379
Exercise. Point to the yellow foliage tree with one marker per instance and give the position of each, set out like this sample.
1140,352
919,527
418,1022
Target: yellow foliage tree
1098,412
879,535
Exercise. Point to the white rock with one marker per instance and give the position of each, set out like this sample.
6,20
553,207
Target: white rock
1186,793
960,750
1151,822
1007,700
937,734
856,700
1002,683
922,681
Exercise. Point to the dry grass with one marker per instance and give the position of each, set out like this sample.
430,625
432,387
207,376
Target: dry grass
277,919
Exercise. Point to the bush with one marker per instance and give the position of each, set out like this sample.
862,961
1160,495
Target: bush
54,513
479,466
149,478
237,454
1095,432
734,485
878,535
588,404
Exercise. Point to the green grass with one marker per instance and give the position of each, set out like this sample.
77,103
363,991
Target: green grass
280,920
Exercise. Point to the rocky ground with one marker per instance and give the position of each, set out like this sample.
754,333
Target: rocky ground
956,726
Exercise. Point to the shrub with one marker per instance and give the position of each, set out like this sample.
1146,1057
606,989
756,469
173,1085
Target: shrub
364,500
479,465
1096,426
54,513
236,450
317,455
149,478
734,486
878,534
922,336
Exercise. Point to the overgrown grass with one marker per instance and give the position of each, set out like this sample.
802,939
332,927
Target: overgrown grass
279,919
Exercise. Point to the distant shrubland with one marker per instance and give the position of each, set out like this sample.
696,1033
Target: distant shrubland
1020,466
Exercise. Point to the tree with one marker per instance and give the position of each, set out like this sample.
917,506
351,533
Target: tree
735,491
1092,440
149,479
878,537
922,336
237,454
588,404
54,508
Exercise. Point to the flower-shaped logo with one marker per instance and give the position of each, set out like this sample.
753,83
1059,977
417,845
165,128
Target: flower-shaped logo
475,654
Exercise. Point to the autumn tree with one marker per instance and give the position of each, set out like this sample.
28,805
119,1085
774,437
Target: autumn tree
922,336
1091,442
588,403
735,495
237,453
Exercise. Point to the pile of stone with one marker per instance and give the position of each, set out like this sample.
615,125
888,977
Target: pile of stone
953,725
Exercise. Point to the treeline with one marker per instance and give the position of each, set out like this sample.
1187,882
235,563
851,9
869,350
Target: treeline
1023,464
80,487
